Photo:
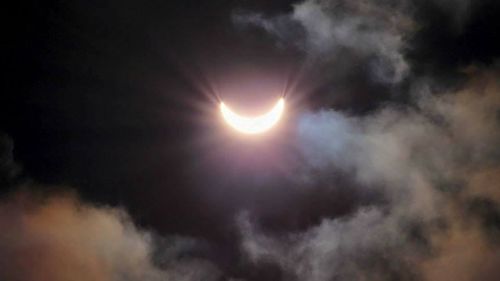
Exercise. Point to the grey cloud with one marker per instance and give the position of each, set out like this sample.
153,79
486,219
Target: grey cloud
372,31
459,9
363,246
436,161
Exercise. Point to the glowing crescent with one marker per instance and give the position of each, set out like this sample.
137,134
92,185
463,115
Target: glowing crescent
253,125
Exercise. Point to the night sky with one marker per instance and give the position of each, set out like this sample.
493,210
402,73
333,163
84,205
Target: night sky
115,163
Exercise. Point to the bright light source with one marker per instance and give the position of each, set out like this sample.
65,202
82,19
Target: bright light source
253,125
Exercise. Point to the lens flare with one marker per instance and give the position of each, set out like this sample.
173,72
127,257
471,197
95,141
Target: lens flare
253,125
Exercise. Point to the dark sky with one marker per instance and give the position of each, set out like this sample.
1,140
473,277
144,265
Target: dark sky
117,100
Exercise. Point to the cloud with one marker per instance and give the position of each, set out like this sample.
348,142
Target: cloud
364,246
435,161
366,31
459,11
9,169
59,237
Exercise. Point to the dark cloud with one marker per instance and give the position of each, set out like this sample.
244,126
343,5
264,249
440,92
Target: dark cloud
49,233
326,29
59,237
386,166
9,169
354,50
431,161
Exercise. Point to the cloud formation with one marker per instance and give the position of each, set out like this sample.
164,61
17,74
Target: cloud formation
432,161
60,237
436,163
366,31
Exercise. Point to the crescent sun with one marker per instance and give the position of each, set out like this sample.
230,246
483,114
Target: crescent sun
253,125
